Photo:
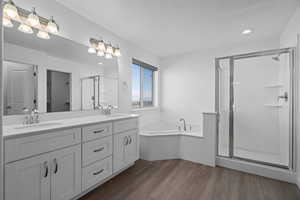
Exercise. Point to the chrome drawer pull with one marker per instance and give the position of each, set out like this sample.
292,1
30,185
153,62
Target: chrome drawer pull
97,150
99,131
130,139
125,142
99,172
45,169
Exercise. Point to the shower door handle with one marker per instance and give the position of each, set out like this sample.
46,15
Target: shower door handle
284,96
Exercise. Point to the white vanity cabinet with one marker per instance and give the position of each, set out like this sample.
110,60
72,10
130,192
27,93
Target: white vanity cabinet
125,143
28,179
56,175
65,173
125,149
65,163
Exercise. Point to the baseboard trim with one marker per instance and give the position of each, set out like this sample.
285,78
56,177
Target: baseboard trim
258,169
298,181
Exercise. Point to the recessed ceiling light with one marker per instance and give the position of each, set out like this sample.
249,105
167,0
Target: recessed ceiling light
247,31
100,63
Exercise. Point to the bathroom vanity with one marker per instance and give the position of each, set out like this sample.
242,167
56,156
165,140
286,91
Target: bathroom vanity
65,159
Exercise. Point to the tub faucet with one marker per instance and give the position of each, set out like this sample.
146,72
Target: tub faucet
184,124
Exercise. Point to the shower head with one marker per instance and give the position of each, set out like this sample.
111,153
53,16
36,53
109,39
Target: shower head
276,58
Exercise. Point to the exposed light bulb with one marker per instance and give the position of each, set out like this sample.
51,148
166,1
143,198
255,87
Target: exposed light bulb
43,35
101,45
91,50
117,52
108,56
246,31
52,26
109,49
10,10
7,22
25,28
100,53
33,19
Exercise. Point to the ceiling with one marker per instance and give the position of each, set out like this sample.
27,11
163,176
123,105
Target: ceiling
171,27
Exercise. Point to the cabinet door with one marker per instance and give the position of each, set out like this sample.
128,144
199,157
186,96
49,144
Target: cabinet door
119,151
66,173
131,147
28,179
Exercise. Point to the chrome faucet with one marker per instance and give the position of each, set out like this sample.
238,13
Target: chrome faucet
106,110
32,117
184,124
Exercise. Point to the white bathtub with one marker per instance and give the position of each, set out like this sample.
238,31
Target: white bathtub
163,140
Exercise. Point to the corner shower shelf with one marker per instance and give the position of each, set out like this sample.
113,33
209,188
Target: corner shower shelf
273,105
274,86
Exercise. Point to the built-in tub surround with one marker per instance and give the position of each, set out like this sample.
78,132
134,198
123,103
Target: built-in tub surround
165,141
66,158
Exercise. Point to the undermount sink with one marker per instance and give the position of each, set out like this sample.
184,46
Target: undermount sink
38,125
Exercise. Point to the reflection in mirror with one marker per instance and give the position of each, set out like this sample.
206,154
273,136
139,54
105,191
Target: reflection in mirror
19,87
51,58
97,91
58,91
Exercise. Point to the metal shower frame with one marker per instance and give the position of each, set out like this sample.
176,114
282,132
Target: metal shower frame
292,103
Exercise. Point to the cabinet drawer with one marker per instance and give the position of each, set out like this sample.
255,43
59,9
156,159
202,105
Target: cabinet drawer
96,173
125,125
96,131
19,148
96,150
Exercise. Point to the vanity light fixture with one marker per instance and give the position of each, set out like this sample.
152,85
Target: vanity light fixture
109,49
103,49
92,50
52,26
7,22
10,10
43,35
101,46
108,56
33,18
25,28
117,52
29,20
246,31
100,53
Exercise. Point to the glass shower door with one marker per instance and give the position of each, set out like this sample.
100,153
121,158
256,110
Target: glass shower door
261,90
255,107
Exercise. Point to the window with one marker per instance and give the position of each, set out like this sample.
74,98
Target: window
142,84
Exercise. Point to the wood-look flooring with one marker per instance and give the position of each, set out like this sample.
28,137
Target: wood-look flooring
184,180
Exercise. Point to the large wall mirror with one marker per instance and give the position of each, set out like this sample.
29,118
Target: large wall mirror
55,75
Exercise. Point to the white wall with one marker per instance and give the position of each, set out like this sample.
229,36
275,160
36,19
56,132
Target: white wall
290,38
188,81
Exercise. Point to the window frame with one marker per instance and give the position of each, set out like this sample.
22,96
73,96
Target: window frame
142,67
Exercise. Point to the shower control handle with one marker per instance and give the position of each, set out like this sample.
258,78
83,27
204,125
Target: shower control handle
284,96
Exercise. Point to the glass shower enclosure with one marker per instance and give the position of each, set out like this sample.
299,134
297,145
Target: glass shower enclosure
255,106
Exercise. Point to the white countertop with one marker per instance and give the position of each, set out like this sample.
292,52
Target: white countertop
18,130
